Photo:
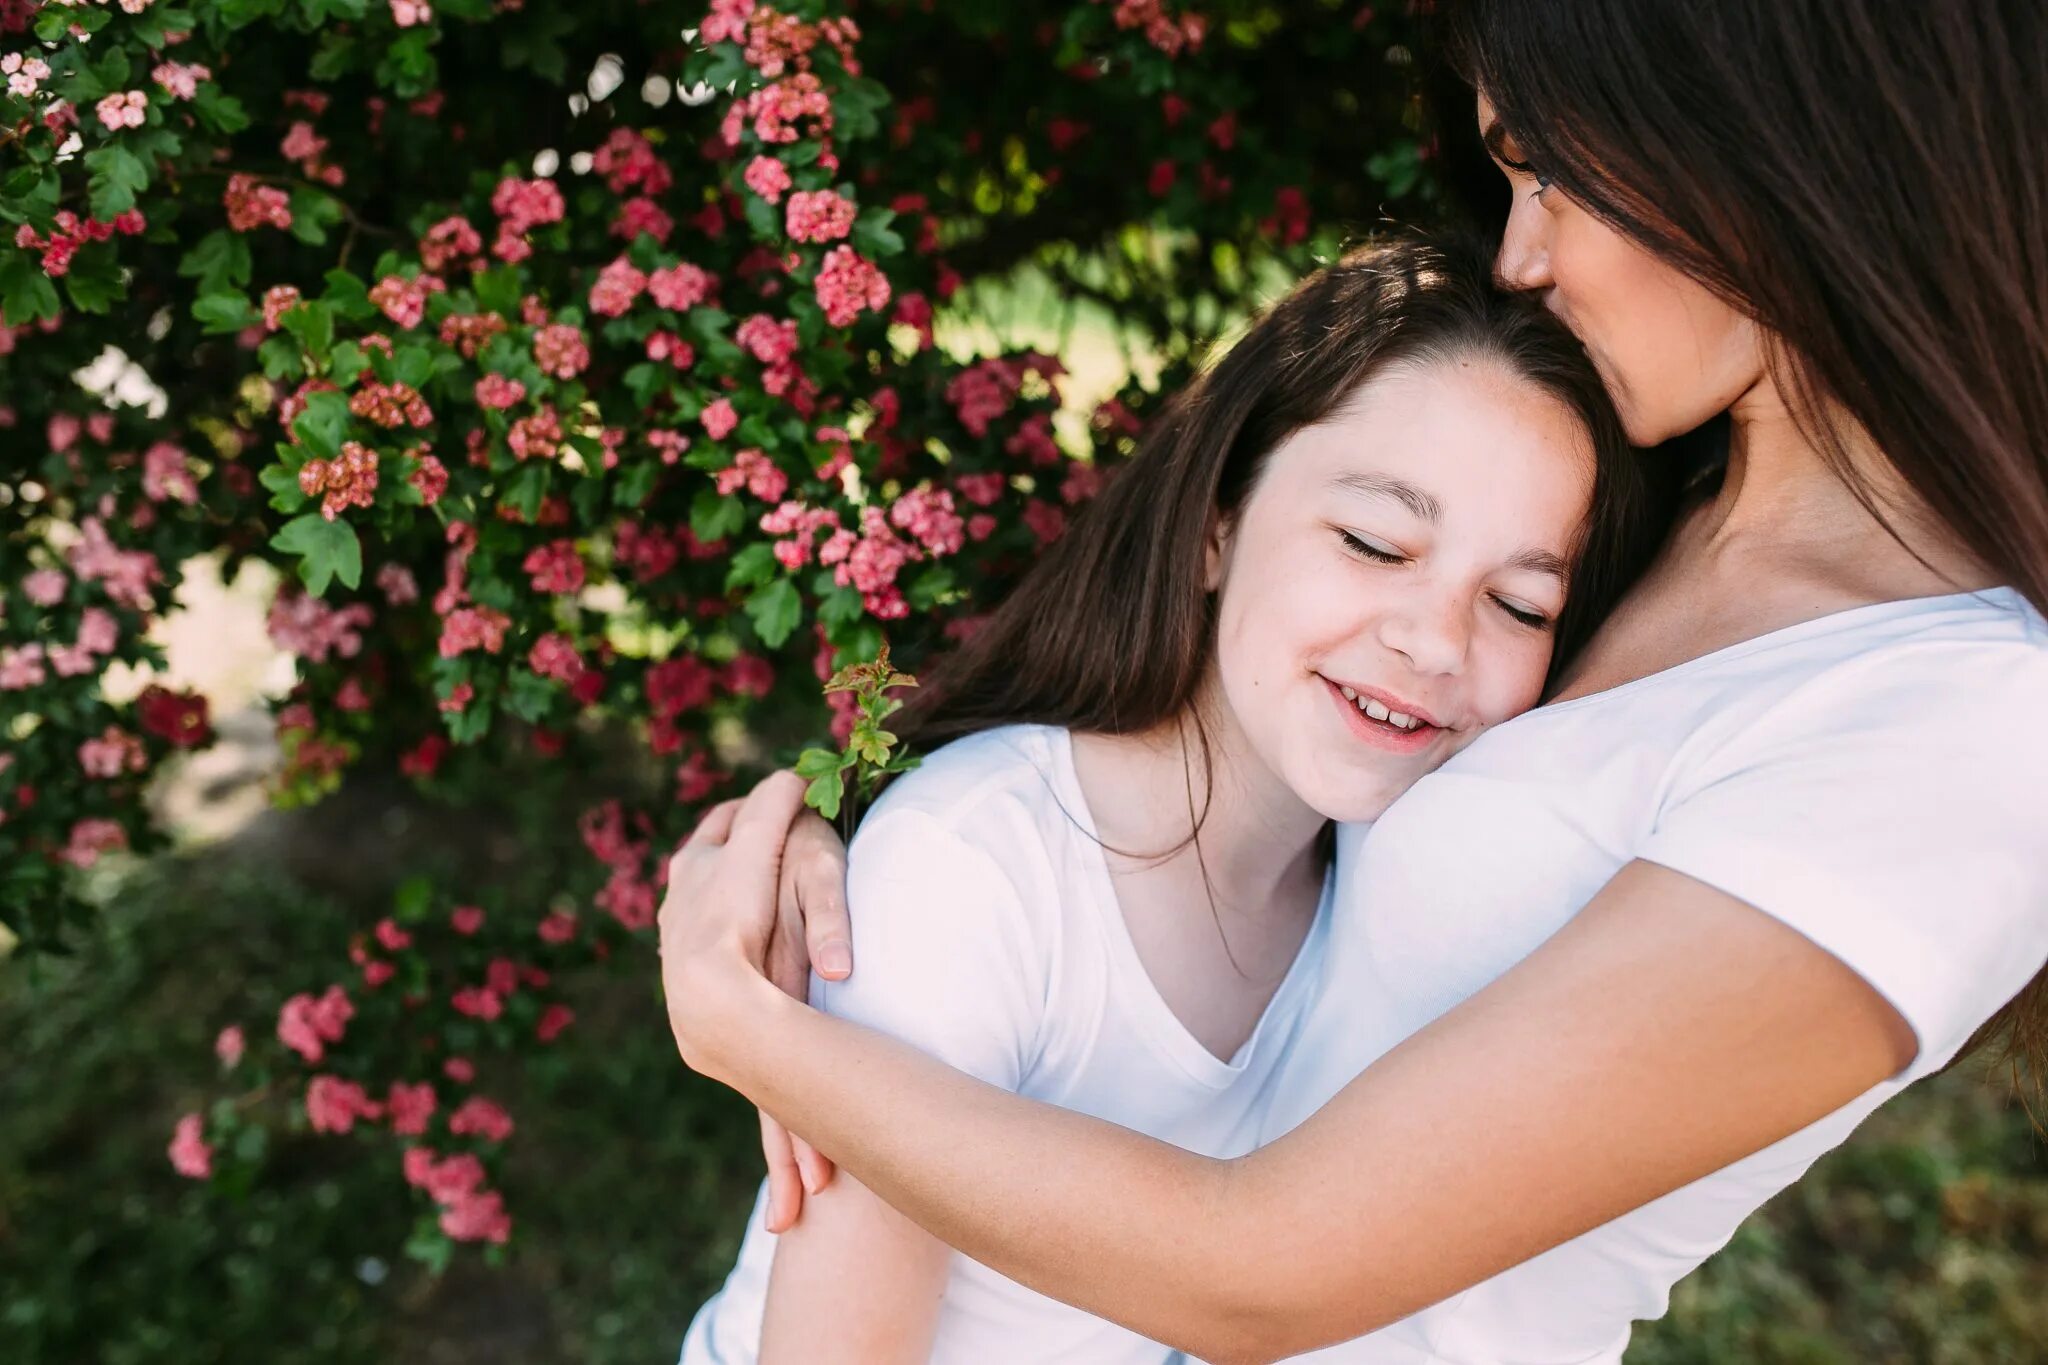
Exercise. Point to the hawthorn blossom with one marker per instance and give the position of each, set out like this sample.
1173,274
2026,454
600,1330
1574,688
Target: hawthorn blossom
348,480
498,392
167,474
848,283
473,627
333,1105
719,418
753,470
89,839
228,1045
406,13
191,1155
180,80
555,567
124,109
679,286
767,177
252,205
561,351
618,284
410,1106
818,216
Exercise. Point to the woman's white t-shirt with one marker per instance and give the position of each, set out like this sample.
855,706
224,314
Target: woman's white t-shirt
986,931
1877,779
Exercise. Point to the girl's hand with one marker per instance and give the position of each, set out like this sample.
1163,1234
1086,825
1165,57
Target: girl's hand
718,917
812,932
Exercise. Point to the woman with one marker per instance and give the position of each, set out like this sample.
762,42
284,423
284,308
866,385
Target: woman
1023,894
1772,851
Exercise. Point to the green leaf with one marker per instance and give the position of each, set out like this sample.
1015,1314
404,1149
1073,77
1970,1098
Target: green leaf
321,427
94,281
313,212
348,296
413,365
822,796
327,550
312,323
714,517
117,176
527,488
497,289
856,111
223,313
220,261
222,113
872,235
813,763
840,607
26,293
414,899
283,483
751,567
776,610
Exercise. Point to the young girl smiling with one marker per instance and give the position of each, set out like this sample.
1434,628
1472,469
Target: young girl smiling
1357,542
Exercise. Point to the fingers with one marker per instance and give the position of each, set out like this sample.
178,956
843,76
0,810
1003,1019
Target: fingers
818,876
811,1165
789,964
715,826
785,1184
761,825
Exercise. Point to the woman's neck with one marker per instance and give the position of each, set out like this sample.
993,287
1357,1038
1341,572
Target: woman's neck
1146,792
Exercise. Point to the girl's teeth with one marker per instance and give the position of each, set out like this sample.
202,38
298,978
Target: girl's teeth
1401,719
1375,710
1349,693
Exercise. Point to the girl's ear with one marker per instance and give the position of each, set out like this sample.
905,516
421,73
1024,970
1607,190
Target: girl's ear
1216,552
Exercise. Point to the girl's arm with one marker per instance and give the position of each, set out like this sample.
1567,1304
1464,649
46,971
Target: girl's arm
1666,1031
855,1282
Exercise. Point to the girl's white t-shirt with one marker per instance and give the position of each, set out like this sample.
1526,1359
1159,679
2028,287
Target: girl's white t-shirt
986,931
1876,779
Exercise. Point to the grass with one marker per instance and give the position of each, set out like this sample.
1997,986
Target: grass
1922,1241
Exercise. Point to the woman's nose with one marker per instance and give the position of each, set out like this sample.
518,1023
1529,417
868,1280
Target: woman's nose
1524,258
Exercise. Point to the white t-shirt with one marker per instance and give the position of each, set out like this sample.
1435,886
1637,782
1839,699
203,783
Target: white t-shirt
986,931
1876,779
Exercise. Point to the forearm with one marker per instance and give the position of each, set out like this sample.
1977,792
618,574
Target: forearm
1172,1259
854,1283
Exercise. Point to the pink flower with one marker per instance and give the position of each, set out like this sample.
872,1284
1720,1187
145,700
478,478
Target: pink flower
497,392
929,517
818,216
45,587
228,1046
410,1107
553,1020
561,350
768,341
397,584
554,656
307,626
983,490
555,567
767,177
558,927
251,205
406,13
618,284
753,470
278,300
430,477
719,418
478,1218
481,1117
127,109
468,628
467,919
679,286
523,205
478,1002
21,666
114,752
459,1070
392,938
449,241
404,300
190,1154
306,1024
90,838
444,1181
333,1105
847,283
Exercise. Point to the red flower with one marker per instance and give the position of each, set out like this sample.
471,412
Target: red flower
179,717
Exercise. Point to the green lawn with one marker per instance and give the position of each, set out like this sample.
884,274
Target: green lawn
1925,1241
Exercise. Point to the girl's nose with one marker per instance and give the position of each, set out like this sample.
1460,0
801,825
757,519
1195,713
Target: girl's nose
1434,636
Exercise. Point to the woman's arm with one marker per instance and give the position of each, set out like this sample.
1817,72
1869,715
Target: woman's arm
1666,1031
856,1282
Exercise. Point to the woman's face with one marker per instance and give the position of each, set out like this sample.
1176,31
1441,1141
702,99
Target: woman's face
1387,589
1671,352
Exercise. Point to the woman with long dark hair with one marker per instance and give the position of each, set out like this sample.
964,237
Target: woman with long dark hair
1773,849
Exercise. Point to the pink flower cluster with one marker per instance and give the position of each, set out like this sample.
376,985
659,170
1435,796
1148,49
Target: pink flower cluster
111,754
333,1105
627,897
309,1024
752,470
536,436
561,350
126,575
618,284
24,74
555,567
554,656
448,242
679,286
278,300
73,232
796,106
496,392
521,206
848,283
768,341
798,525
308,627
627,161
928,515
348,480
869,562
404,300
469,1213
473,627
1164,31
818,216
767,177
390,405
251,204
123,109
191,1155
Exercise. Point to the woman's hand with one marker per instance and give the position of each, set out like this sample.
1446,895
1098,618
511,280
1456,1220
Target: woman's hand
719,916
812,931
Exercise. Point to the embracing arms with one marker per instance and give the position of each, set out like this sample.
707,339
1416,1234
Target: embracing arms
1679,1031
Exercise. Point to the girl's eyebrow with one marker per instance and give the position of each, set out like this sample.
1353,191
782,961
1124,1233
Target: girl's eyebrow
1419,501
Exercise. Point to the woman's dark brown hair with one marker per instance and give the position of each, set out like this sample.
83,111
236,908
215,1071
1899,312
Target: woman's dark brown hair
1111,631
1868,179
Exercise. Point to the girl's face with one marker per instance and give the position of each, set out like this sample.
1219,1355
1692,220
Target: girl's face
1387,589
1671,353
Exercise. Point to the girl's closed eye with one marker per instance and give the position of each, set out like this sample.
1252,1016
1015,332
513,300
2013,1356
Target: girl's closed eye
1370,547
1522,613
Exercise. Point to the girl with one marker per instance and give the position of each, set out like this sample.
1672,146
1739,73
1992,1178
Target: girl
1347,552
1622,969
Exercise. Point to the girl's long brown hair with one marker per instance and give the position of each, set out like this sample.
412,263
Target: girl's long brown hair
1868,179
1111,632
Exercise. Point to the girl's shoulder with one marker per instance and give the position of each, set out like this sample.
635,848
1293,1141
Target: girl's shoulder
983,783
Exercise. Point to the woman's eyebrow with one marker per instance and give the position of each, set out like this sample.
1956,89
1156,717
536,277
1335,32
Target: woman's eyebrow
1419,501
1543,562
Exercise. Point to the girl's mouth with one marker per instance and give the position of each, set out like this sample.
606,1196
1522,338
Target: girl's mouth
1380,724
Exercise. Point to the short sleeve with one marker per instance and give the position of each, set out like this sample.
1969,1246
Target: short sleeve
1896,817
943,955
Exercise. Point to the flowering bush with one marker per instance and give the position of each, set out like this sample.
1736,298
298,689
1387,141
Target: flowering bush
583,374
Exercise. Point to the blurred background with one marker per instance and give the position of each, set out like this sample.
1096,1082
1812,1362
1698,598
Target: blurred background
1114,185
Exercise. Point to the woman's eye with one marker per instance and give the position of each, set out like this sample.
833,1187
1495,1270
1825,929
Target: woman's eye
1376,550
1536,620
